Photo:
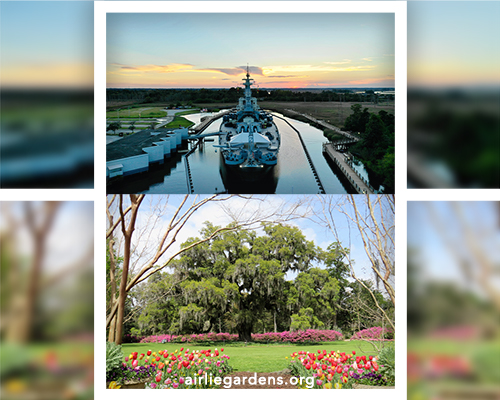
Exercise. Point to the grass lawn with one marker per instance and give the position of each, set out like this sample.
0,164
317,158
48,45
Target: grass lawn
145,112
257,357
178,122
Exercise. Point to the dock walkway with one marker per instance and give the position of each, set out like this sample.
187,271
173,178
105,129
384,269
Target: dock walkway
359,184
207,121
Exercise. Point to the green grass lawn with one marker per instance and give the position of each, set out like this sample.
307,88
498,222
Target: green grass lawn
257,357
145,112
178,122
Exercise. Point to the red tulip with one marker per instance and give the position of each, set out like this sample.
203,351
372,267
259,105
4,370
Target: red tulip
308,366
157,358
149,352
339,369
182,348
185,363
323,367
353,352
222,349
158,378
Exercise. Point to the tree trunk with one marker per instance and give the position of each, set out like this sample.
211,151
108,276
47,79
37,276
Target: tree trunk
275,326
112,330
245,334
123,290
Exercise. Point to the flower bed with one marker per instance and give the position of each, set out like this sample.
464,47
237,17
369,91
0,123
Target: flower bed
331,370
178,369
375,333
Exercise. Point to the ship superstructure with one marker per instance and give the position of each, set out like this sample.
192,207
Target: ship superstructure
248,137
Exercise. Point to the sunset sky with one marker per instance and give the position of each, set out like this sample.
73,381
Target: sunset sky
453,43
47,44
283,50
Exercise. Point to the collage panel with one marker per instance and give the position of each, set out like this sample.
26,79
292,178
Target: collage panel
47,299
247,292
47,95
453,95
453,299
221,109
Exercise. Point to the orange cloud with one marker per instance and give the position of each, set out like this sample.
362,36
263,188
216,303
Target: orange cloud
162,69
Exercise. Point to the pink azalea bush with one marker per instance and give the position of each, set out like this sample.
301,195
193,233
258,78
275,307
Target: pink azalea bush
308,336
194,338
375,333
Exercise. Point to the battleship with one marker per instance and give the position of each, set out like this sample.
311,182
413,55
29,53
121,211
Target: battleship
249,140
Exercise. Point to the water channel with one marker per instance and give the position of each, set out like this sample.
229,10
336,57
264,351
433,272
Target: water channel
292,174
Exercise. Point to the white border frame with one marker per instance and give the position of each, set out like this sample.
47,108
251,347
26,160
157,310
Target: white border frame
100,10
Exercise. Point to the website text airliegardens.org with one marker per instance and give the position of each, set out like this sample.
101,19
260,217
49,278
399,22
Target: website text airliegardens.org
233,381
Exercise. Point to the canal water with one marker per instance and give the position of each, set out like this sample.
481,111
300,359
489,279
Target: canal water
292,174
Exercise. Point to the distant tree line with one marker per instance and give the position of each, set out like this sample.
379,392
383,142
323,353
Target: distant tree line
376,149
190,96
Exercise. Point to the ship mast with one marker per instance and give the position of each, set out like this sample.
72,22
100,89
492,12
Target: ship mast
248,92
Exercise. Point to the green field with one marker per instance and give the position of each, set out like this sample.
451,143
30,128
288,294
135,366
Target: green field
145,112
179,122
257,357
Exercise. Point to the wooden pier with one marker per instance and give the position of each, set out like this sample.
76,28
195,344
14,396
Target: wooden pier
357,182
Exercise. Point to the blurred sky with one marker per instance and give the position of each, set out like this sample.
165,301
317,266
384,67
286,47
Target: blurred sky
426,235
47,44
285,50
453,43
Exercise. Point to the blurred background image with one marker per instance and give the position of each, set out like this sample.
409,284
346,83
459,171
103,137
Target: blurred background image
453,300
47,98
47,300
453,94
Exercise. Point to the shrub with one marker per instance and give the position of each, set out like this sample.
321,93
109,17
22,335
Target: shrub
375,333
131,338
306,336
114,357
388,364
